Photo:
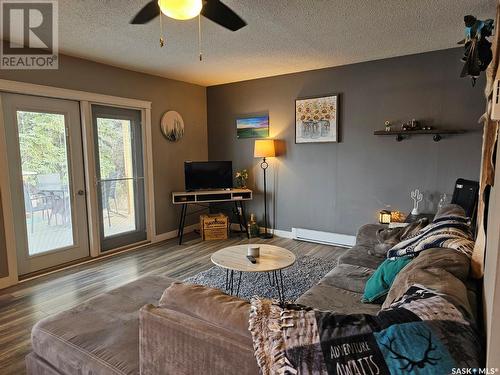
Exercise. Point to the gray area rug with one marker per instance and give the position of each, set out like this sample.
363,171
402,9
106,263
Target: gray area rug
305,273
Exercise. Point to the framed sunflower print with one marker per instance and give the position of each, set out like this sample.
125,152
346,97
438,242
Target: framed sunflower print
316,119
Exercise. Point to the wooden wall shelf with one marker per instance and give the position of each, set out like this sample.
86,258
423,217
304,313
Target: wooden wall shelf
402,134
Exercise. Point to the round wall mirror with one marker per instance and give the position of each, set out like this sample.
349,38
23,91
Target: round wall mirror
172,126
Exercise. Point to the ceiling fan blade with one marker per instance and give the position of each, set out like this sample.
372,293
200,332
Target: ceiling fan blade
150,11
221,14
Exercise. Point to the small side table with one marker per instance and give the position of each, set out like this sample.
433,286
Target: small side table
272,260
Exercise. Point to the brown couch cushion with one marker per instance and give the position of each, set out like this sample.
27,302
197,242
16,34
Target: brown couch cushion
327,297
209,304
37,366
359,256
440,269
173,342
101,335
348,277
367,234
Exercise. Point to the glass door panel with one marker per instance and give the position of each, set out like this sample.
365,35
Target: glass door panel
117,177
118,206
46,185
120,179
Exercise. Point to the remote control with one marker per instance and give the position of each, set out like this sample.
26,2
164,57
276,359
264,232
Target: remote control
251,259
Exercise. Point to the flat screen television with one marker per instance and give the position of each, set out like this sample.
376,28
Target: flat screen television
200,175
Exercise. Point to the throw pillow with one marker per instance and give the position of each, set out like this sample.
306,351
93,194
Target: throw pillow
380,282
443,270
389,237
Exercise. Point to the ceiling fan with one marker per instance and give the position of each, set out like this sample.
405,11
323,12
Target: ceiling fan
214,10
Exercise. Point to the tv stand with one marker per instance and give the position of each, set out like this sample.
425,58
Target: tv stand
238,196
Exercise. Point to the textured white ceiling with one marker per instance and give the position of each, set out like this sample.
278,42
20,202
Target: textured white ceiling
282,36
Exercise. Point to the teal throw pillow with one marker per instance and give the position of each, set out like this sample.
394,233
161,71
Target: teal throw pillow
380,282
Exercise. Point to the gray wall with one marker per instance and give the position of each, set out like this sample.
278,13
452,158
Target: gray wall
337,187
165,94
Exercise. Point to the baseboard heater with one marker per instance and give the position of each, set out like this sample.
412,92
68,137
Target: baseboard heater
326,238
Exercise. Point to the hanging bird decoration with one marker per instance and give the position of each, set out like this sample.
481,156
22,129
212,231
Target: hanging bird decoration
477,49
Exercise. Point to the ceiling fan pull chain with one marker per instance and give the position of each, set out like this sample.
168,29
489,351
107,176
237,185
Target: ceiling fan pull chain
162,39
199,37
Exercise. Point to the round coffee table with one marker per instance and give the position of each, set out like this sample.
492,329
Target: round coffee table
272,260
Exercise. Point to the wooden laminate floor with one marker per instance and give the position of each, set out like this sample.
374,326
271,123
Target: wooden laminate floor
21,306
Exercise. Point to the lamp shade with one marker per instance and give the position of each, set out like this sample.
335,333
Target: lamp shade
264,148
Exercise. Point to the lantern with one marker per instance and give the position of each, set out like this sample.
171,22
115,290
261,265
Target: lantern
384,217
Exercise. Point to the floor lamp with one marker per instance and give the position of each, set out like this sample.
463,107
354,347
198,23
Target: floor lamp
264,148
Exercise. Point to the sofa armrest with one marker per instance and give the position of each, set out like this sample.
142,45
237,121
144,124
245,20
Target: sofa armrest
209,304
173,342
196,329
367,234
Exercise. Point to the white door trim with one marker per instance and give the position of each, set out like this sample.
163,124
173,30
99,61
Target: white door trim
8,217
90,177
148,168
60,93
86,99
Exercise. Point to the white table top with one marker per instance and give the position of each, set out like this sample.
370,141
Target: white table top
271,258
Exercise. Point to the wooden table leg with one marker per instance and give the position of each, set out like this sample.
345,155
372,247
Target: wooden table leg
244,217
239,282
239,214
180,232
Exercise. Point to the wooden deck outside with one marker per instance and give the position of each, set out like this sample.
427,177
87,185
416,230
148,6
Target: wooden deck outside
45,237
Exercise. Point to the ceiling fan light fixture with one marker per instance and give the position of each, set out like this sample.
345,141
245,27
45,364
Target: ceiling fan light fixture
180,9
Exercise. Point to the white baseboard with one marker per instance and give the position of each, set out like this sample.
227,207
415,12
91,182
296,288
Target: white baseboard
173,233
327,238
309,235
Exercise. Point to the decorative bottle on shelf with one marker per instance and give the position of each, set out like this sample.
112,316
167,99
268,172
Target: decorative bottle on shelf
253,227
443,201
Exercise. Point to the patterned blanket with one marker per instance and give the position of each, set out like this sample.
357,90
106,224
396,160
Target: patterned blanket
421,333
447,231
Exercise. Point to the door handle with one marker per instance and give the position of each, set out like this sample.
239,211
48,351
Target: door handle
81,192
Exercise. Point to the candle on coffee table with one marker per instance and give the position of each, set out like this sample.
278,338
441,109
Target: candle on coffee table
253,250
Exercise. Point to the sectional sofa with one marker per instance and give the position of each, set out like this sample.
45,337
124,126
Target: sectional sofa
157,325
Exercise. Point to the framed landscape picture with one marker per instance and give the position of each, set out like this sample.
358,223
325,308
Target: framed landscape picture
252,127
316,119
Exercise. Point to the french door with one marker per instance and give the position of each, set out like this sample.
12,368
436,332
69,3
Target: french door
120,176
44,149
46,166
